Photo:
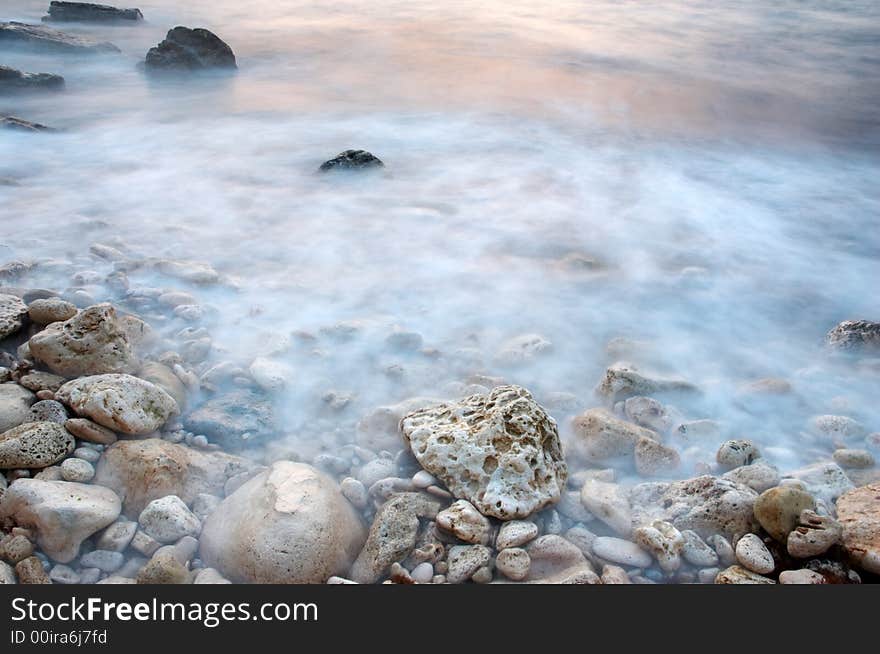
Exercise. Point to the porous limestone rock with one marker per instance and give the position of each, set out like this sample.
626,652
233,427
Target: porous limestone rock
35,445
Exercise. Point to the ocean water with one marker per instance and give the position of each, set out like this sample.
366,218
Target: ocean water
698,178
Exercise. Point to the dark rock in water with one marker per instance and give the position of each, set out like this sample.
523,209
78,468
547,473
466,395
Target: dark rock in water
190,49
15,80
352,160
234,420
40,38
88,12
11,122
855,335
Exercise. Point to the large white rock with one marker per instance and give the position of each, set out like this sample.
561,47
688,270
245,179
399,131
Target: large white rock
289,524
62,513
93,342
119,402
499,451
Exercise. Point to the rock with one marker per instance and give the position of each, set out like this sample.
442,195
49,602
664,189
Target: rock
736,453
93,342
204,505
355,492
164,567
209,576
499,451
39,38
15,548
15,80
663,541
854,335
186,49
759,476
825,481
696,551
88,12
738,575
392,535
464,521
834,572
163,377
120,402
621,551
513,563
21,125
614,575
91,432
813,536
77,470
15,405
465,560
859,514
515,533
653,458
233,420
753,555
104,560
146,545
272,376
168,519
62,513
37,380
836,428
118,536
554,560
380,429
598,435
423,573
609,503
48,411
522,349
62,574
723,549
13,311
372,471
7,574
696,431
352,160
34,445
707,505
622,381
570,506
31,571
54,309
778,510
848,458
800,577
289,524
145,470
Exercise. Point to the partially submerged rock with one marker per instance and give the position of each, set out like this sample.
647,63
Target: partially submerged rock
622,381
234,420
186,49
352,160
119,402
88,12
855,335
63,514
16,80
21,125
289,524
93,342
40,38
598,435
499,451
15,405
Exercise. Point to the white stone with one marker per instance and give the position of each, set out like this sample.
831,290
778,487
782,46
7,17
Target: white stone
464,521
515,533
168,519
74,469
272,376
621,551
513,563
609,503
753,555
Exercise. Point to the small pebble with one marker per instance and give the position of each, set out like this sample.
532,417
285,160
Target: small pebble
423,479
87,454
104,560
514,533
800,577
753,555
78,470
423,573
514,563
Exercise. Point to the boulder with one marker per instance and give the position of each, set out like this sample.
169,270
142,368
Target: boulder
93,342
15,80
63,514
352,160
13,313
499,451
119,402
35,445
289,524
186,49
15,405
86,12
858,512
707,505
233,420
145,470
39,38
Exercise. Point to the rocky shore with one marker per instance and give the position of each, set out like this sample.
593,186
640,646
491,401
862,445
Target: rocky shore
136,449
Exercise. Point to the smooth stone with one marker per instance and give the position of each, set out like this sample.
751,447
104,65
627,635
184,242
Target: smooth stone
77,470
778,510
514,563
423,573
62,574
37,381
47,311
515,533
609,503
104,560
738,575
168,519
91,432
598,435
848,458
696,551
118,536
753,555
800,577
621,551
15,405
464,521
555,560
736,453
355,492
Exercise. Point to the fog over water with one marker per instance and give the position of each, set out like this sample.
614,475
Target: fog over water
701,178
